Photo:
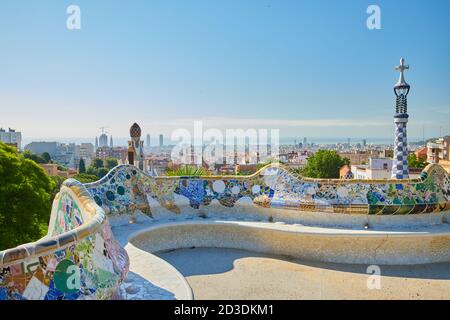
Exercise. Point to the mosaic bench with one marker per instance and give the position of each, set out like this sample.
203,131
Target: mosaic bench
80,258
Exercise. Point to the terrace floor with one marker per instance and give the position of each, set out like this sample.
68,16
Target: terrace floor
215,273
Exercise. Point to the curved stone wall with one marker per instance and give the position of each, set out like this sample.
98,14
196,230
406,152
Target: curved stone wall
79,258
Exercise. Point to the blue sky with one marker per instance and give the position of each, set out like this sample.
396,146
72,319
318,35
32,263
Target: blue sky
310,68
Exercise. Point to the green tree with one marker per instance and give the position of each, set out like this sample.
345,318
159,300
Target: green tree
46,157
91,171
27,154
85,178
98,167
81,166
416,163
25,193
101,172
97,163
110,163
324,164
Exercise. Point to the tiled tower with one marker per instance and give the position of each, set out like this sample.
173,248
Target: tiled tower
401,89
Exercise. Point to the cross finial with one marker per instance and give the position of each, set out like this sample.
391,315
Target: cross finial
401,68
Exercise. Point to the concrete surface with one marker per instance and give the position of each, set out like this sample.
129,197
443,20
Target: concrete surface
149,278
216,273
224,273
388,247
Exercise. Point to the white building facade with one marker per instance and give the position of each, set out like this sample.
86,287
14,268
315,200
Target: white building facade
378,168
11,137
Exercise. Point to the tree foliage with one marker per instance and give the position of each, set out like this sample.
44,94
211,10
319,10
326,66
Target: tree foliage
81,166
86,178
324,164
46,157
101,172
416,163
27,154
101,167
25,199
110,163
97,163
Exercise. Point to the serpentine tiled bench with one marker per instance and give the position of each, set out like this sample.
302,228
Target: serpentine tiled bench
79,258
273,210
126,188
357,221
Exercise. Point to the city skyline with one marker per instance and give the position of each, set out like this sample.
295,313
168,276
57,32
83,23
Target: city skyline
296,67
122,141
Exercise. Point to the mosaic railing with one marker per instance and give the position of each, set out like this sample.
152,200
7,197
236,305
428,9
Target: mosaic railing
126,188
78,259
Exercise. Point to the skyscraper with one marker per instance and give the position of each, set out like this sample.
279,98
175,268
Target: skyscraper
111,141
103,140
161,140
401,89
148,141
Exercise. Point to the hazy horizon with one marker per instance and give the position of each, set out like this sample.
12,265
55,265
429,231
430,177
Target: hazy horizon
122,141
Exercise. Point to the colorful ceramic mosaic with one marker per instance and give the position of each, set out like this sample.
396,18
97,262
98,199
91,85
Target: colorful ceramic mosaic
275,187
118,190
48,277
82,261
68,215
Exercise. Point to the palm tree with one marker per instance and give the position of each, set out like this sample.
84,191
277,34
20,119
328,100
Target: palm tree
188,170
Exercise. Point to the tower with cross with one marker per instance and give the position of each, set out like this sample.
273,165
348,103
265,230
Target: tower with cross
401,89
